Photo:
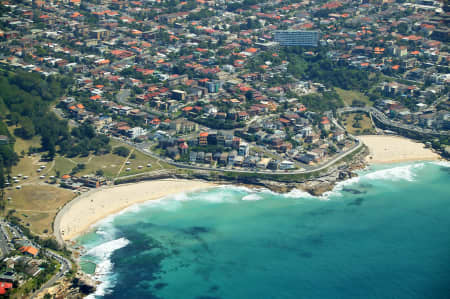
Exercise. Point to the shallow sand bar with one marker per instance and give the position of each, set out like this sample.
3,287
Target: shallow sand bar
391,149
82,212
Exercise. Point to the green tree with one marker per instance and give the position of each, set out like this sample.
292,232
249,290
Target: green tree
51,151
2,183
121,151
27,130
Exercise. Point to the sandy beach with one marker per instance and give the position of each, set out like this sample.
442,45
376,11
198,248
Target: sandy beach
78,215
81,213
392,149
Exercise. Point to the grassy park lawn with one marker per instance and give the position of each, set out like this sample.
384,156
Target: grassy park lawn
24,144
349,95
348,119
140,159
36,205
112,165
63,165
27,166
109,163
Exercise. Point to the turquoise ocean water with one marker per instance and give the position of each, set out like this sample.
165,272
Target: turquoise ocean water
385,234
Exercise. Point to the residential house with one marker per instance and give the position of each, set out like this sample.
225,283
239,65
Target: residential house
183,126
136,132
29,250
203,138
244,149
286,165
263,163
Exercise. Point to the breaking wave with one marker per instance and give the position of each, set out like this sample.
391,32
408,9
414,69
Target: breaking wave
399,173
442,163
252,197
216,195
106,228
237,188
103,272
227,193
297,193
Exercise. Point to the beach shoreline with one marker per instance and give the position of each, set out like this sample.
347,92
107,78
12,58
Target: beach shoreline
387,149
79,215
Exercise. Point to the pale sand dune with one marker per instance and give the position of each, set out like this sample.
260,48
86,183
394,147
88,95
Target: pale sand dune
391,149
78,215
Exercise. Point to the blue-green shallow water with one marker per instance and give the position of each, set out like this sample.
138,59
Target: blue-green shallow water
385,234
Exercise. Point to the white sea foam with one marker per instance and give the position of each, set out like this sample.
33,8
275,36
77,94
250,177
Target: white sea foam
236,188
294,193
218,196
103,271
337,189
249,190
179,197
399,173
168,203
442,163
297,193
105,250
106,228
340,185
252,197
405,172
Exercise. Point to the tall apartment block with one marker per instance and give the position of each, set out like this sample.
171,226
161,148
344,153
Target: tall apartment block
297,38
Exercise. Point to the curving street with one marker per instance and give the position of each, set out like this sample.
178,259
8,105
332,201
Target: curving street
381,117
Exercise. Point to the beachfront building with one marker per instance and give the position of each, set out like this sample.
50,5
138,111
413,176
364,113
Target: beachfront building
285,165
136,132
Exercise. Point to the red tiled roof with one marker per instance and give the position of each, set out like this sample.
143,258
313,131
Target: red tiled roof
4,286
29,249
